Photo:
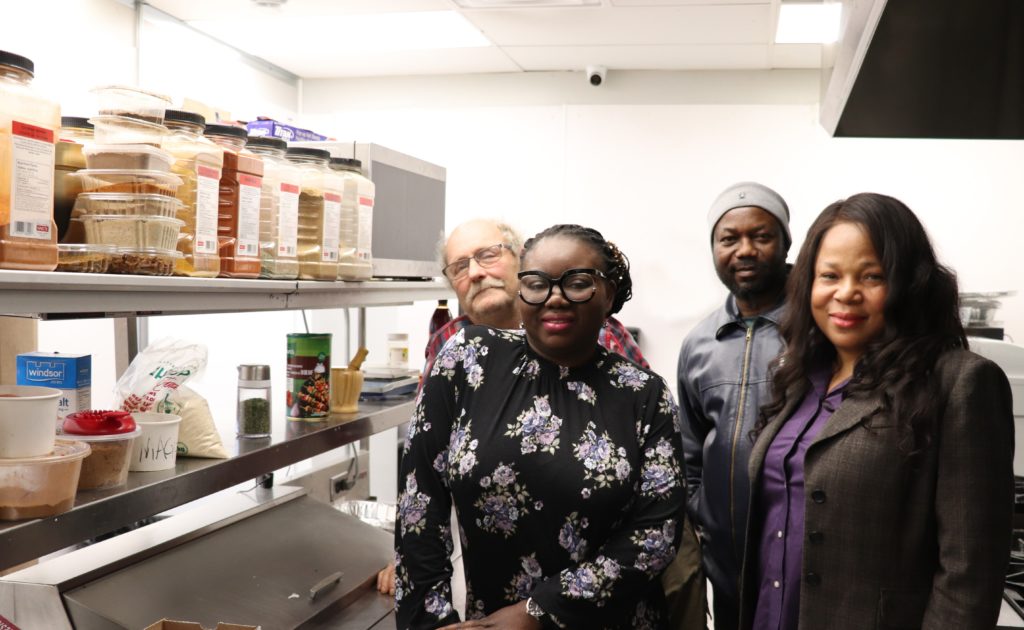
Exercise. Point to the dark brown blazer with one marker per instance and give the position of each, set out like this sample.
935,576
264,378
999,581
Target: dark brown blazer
890,547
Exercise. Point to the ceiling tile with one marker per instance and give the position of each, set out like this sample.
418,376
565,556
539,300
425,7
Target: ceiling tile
726,57
449,61
188,10
695,24
796,55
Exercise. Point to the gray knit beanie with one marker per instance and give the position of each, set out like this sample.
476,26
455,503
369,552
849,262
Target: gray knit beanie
746,194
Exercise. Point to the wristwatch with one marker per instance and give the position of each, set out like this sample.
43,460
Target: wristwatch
533,608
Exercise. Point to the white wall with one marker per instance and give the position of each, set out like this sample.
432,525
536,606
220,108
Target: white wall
642,157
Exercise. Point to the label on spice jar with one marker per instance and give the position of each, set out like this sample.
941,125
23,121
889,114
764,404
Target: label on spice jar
332,227
207,191
288,220
365,228
248,241
32,163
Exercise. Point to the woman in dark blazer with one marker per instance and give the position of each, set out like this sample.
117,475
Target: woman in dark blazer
882,473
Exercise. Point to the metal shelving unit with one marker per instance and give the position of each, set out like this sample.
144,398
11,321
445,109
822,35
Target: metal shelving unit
69,295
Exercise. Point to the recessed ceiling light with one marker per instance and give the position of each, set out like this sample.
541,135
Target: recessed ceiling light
521,4
808,23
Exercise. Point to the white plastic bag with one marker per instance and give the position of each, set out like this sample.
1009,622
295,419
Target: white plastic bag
154,382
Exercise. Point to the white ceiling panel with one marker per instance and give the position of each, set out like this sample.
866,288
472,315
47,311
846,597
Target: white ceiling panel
604,26
680,3
724,57
447,61
243,9
796,55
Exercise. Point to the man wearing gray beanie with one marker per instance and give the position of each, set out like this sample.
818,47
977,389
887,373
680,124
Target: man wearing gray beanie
723,378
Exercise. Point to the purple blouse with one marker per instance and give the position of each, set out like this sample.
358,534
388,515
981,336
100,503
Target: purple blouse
781,501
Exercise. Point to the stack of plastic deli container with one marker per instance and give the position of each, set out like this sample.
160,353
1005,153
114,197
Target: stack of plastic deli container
128,200
75,133
319,214
198,161
279,209
238,215
28,133
354,262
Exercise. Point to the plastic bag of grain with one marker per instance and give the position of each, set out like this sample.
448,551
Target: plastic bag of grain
155,381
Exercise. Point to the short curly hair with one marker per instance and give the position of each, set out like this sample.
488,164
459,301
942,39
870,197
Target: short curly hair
615,263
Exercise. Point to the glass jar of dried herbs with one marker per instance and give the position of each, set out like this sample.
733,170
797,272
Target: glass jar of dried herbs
253,401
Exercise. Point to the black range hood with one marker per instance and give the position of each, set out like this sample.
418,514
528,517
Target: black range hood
928,69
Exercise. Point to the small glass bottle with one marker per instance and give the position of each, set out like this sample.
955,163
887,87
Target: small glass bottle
440,317
398,350
253,401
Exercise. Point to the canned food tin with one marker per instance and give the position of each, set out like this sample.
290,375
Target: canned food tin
309,375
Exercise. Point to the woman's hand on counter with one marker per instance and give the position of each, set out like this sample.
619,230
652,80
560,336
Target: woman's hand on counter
386,580
512,617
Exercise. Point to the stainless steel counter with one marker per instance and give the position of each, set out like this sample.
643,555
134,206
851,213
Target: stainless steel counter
148,493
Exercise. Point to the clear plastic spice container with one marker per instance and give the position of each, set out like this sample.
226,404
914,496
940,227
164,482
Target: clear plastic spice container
253,401
354,262
198,161
238,214
28,134
319,215
279,210
75,133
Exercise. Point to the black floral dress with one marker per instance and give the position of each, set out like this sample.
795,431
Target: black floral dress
566,483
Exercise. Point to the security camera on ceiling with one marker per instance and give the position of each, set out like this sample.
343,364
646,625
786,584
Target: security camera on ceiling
596,75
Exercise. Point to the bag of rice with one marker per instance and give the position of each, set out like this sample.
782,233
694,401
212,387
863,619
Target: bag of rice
155,381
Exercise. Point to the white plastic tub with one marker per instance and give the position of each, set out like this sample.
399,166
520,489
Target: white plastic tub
157,447
28,420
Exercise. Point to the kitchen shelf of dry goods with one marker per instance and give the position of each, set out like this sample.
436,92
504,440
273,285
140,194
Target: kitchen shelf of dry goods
55,294
99,512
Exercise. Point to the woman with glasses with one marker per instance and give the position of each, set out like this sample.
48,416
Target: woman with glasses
561,459
881,479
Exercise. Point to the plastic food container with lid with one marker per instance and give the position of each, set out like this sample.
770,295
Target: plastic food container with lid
127,157
36,487
138,182
354,259
126,130
199,162
157,447
125,204
83,258
28,132
28,420
75,132
123,100
279,210
110,434
130,230
238,216
319,214
142,261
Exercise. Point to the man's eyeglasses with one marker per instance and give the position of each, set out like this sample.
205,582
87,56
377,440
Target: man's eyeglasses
484,257
577,285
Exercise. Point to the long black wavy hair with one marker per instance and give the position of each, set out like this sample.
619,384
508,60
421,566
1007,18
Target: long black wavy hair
614,262
922,320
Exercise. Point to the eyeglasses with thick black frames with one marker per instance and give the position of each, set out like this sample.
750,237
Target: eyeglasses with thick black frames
577,285
484,257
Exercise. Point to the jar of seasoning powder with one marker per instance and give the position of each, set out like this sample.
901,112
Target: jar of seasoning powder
253,401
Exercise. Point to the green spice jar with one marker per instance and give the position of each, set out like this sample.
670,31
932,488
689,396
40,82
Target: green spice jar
253,401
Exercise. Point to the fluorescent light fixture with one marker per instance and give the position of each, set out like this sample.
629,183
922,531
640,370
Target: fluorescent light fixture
808,23
362,33
520,4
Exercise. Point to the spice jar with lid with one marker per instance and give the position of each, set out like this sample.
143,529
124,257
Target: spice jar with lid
75,133
319,214
198,161
28,134
238,215
253,401
279,209
356,220
398,350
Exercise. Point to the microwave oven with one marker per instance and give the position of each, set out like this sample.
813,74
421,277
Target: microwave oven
408,209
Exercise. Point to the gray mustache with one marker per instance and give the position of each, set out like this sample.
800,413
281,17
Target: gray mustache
486,283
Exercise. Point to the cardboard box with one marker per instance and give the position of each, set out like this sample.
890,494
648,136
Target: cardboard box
270,127
70,373
171,624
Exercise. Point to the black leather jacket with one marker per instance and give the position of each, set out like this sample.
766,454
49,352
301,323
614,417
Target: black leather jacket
723,382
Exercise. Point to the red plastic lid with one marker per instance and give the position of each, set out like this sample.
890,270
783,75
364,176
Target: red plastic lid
99,423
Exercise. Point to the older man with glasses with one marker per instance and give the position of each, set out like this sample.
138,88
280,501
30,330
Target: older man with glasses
480,260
